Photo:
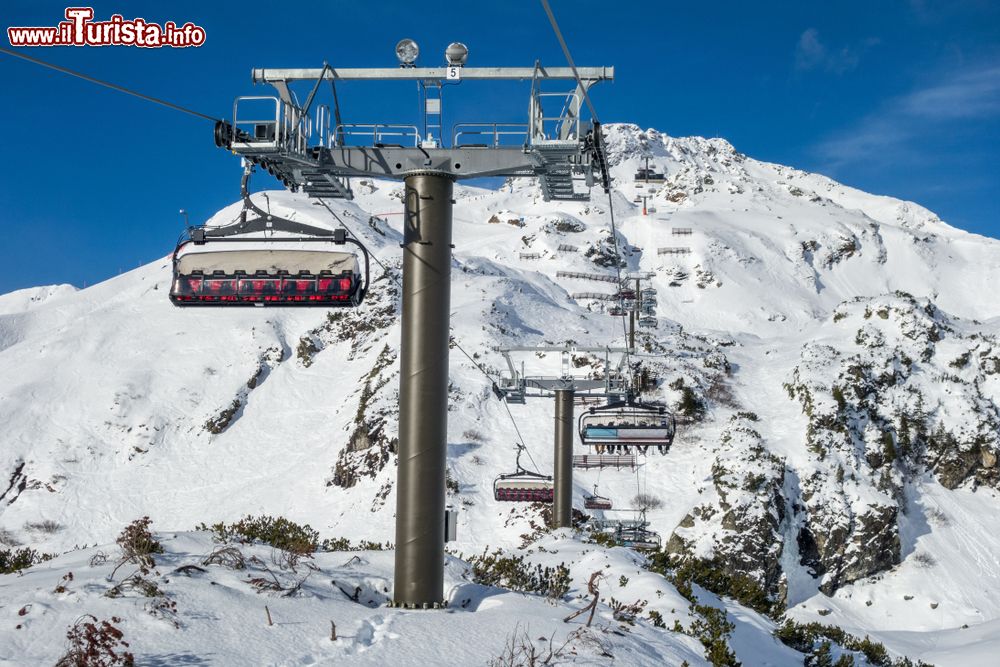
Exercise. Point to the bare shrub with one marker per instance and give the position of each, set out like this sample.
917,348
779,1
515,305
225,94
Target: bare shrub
626,613
138,546
135,584
164,609
230,557
45,526
646,501
592,588
520,651
924,559
273,583
937,517
94,643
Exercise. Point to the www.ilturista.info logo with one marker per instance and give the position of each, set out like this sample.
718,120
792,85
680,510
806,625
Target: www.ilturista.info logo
79,29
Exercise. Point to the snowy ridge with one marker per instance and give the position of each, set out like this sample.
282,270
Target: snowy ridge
117,404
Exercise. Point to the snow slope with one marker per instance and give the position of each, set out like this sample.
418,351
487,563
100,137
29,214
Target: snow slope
111,396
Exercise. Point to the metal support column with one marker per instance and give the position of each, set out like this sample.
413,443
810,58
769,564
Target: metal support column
562,504
631,328
423,391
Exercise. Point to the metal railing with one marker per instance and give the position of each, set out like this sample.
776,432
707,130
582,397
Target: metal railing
287,130
493,132
586,276
566,124
379,132
248,127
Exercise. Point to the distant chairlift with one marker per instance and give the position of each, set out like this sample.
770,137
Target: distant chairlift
263,269
633,533
595,501
649,175
620,426
523,485
637,537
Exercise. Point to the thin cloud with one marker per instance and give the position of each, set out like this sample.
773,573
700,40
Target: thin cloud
974,94
897,131
812,54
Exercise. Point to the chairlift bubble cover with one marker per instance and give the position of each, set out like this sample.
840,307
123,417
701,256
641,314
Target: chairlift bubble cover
627,424
266,277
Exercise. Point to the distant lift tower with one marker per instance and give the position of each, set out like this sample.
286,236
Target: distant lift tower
310,149
515,386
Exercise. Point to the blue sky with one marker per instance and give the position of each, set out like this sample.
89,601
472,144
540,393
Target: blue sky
898,98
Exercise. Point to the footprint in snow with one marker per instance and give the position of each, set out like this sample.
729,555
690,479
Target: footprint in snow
370,632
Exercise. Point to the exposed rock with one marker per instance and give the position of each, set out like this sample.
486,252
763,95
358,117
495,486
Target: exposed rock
875,422
742,529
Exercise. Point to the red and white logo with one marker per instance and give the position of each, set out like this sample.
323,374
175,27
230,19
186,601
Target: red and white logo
80,29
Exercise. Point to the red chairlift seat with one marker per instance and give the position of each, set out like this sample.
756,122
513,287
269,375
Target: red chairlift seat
523,485
253,277
596,502
260,269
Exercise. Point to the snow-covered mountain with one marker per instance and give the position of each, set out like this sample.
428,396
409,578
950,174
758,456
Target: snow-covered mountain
834,356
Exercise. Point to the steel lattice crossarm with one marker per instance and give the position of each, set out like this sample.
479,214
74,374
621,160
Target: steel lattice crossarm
309,148
516,386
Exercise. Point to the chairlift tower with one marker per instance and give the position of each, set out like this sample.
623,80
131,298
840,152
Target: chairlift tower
516,387
309,148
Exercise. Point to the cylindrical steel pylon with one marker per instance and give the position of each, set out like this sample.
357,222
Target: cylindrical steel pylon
423,392
562,504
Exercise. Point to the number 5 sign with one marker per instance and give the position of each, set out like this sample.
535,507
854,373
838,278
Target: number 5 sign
454,73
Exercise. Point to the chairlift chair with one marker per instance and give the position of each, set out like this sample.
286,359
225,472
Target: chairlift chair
648,176
523,485
263,269
638,537
628,423
595,501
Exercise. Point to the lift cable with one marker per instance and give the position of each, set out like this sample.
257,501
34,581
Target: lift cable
108,84
569,58
177,107
611,205
453,338
593,113
398,284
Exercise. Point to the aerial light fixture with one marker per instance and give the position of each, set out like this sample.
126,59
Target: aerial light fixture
407,52
456,53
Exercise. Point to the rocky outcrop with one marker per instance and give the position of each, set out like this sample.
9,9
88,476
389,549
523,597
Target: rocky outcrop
371,443
740,527
881,408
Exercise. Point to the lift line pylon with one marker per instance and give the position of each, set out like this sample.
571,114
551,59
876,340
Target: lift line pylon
516,386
